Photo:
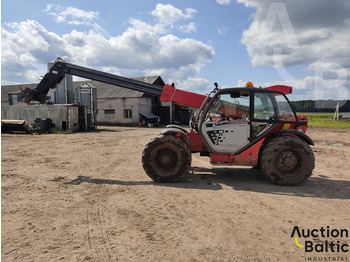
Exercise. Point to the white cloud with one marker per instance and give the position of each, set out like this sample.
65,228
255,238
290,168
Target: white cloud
142,49
191,27
223,2
71,15
25,45
196,84
169,14
287,33
311,33
157,29
48,7
326,81
223,30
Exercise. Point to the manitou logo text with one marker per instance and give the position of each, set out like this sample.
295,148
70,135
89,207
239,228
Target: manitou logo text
322,239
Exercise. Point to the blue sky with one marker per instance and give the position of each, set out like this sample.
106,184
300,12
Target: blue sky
191,43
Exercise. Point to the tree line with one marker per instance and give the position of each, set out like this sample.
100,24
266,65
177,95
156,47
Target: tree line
321,105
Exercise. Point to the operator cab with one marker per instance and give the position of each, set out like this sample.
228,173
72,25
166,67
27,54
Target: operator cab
235,118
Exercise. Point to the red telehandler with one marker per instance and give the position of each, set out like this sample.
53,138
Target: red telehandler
244,126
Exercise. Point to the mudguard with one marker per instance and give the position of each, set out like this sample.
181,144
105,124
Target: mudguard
178,127
178,131
301,135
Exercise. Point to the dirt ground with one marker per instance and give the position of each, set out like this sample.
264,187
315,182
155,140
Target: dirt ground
85,197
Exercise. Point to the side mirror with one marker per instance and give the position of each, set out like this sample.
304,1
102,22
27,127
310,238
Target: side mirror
303,122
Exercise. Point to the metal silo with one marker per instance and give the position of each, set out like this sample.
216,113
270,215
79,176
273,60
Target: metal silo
63,94
87,96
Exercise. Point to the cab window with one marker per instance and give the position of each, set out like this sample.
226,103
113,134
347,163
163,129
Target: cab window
230,107
263,106
285,112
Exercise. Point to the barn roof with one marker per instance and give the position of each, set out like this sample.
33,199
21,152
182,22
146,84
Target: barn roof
13,89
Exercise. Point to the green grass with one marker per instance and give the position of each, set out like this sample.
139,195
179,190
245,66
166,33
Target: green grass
326,120
56,131
68,132
104,130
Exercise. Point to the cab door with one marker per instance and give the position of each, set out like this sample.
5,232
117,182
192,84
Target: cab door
226,126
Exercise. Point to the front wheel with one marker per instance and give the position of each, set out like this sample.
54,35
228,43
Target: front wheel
166,158
287,161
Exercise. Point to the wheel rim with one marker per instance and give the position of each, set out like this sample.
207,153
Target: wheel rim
287,161
166,159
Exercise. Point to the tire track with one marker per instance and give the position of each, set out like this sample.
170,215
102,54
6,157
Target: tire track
96,236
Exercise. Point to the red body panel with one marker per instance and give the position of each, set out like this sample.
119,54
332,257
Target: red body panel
222,159
291,126
281,88
197,144
249,157
170,93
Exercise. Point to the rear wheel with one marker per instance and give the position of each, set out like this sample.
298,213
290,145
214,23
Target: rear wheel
166,158
287,161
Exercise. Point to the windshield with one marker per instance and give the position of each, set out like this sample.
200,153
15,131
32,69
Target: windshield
230,107
199,112
263,106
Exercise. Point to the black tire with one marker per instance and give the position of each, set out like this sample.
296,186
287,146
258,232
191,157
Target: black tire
287,161
166,158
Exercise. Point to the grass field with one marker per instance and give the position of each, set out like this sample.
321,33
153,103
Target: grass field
326,120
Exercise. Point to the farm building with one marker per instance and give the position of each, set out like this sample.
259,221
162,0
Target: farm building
115,105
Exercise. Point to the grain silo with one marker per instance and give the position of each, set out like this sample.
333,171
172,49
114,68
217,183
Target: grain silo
63,94
87,96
